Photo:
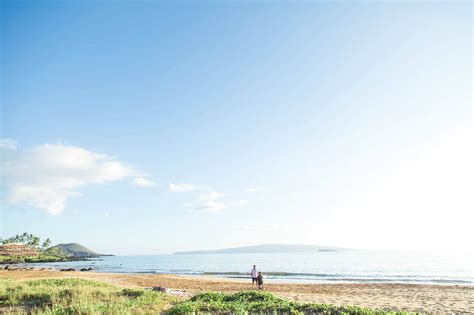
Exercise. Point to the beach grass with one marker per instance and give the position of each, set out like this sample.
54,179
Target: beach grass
79,296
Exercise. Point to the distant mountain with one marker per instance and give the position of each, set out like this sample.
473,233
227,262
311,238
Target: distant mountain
268,248
76,250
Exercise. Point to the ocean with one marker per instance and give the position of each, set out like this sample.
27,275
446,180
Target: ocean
318,267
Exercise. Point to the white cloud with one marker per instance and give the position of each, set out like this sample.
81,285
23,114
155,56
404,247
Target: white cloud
8,144
46,176
207,203
210,202
143,182
182,187
254,189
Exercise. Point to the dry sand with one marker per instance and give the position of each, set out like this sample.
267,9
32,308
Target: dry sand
408,297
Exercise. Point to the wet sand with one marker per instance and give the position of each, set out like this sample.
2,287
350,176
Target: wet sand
407,297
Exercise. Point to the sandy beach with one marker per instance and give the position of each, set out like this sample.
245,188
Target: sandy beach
407,297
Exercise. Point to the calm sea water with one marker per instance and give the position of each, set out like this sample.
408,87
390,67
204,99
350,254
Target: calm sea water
321,267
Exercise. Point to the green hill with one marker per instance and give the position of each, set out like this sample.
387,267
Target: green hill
76,250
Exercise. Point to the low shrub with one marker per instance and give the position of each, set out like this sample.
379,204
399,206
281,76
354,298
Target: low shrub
258,302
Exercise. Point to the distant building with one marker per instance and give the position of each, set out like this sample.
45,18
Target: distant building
18,250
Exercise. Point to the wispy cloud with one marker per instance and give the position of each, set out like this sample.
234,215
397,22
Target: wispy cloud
143,182
47,176
8,144
183,187
212,202
254,189
207,202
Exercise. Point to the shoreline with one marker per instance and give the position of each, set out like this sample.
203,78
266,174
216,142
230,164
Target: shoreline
237,276
308,281
40,260
390,296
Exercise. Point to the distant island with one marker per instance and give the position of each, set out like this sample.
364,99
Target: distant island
268,248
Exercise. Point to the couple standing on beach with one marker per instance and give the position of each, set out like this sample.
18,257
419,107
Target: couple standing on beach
257,277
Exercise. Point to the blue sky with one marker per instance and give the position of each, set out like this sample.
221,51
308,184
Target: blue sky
150,127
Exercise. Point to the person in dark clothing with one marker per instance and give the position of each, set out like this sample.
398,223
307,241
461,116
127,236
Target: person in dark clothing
260,281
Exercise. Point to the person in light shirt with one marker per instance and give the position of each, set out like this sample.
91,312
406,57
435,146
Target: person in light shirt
254,275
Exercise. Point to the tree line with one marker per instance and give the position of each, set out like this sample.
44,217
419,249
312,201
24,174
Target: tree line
27,239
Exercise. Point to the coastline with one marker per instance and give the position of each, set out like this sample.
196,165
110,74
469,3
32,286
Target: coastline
362,267
34,260
391,296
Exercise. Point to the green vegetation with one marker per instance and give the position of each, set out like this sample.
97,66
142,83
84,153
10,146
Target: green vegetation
27,239
30,248
76,296
43,257
75,250
257,302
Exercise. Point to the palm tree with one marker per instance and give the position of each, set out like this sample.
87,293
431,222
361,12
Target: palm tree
34,240
46,243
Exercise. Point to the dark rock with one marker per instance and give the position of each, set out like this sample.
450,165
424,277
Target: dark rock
160,289
68,269
86,269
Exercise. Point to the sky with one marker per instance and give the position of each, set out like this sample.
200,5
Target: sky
150,127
